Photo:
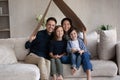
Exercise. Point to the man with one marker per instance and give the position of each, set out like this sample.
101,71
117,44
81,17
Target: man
38,46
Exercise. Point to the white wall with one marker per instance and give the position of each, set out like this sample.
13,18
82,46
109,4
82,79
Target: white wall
92,13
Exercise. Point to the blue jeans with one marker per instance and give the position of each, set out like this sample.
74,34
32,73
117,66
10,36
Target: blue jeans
86,61
65,59
75,60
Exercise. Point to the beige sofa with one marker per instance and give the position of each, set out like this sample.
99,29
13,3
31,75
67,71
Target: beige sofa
12,69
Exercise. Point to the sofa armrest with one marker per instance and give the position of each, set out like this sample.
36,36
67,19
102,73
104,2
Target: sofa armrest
118,56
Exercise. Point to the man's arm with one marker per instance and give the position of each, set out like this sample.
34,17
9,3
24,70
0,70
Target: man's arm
29,42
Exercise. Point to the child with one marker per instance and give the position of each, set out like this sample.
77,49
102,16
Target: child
79,53
57,50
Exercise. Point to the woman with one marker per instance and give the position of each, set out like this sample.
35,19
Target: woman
67,24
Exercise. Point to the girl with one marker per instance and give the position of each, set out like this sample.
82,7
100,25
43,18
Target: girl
79,53
57,50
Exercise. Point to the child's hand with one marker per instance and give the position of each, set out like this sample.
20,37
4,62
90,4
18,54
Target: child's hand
81,51
73,50
59,56
55,56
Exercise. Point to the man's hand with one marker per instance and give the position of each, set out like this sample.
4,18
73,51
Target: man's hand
32,38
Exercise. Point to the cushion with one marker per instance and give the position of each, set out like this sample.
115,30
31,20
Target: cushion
19,71
92,44
7,42
20,50
108,69
107,44
7,55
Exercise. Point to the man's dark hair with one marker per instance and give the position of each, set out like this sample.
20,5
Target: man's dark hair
51,18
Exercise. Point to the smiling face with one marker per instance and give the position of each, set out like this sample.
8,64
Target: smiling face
66,25
73,35
50,25
59,32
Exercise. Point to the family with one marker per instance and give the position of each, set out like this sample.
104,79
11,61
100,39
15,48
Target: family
57,45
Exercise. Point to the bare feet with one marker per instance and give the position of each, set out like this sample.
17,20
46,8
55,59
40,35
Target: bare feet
60,77
74,70
54,77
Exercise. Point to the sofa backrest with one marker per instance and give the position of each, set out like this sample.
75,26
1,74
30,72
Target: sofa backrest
19,45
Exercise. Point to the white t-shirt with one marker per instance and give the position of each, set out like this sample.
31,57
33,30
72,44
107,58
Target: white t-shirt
75,44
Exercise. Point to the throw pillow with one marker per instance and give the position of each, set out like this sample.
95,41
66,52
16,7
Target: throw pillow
20,50
107,44
7,55
92,44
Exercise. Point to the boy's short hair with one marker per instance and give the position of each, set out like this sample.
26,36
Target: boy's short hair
71,29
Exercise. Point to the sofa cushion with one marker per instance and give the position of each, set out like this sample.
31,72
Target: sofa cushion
92,44
7,55
118,55
100,68
7,42
107,44
19,71
20,50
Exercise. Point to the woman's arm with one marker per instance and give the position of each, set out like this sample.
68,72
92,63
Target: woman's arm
84,37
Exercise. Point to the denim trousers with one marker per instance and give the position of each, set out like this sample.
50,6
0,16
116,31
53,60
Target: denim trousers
86,64
75,60
65,59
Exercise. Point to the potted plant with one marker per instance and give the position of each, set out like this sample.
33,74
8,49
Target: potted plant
38,18
105,27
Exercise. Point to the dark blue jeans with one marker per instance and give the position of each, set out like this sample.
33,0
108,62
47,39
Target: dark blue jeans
75,60
86,61
65,59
